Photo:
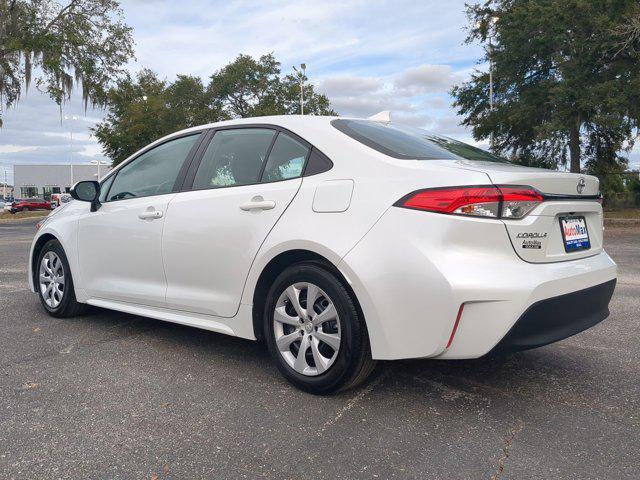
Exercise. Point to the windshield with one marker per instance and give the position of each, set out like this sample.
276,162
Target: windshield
401,141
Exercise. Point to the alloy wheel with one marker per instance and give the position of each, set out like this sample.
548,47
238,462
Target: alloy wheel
51,279
307,328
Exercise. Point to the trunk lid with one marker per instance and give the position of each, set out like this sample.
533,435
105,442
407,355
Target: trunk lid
540,236
550,182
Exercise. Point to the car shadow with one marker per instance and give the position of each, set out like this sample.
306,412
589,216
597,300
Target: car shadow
491,375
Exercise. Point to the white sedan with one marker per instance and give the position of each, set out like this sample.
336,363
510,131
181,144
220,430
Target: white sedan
336,241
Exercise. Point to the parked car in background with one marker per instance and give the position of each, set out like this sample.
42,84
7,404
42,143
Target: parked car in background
28,204
336,241
58,199
8,205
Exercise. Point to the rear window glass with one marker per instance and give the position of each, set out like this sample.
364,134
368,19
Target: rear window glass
410,143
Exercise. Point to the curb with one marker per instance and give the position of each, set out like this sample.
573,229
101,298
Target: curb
10,221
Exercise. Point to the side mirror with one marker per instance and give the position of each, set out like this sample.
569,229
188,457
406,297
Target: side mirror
87,191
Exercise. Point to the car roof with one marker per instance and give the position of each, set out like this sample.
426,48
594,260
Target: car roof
303,125
286,121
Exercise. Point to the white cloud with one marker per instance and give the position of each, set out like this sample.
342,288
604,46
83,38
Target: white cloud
437,103
365,106
196,38
350,85
13,148
362,96
92,151
425,79
450,125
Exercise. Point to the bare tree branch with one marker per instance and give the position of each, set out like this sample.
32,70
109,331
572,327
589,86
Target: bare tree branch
61,14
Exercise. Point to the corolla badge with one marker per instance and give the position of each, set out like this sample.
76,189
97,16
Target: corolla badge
581,184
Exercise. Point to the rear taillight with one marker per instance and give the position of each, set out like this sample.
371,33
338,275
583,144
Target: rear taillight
518,201
493,201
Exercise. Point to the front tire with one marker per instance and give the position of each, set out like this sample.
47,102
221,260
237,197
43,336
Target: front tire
320,347
54,282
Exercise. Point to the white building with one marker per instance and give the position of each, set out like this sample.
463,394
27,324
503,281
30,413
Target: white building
45,179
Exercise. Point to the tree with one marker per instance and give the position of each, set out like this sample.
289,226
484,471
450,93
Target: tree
314,103
147,108
566,79
190,104
84,40
249,88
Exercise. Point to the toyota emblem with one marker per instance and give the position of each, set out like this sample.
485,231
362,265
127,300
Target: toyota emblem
581,184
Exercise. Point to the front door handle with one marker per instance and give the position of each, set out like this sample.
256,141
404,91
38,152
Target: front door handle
258,203
150,215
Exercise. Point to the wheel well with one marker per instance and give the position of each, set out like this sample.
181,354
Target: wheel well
36,252
275,267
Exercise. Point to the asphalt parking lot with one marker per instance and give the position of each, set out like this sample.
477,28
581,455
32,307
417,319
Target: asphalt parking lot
111,395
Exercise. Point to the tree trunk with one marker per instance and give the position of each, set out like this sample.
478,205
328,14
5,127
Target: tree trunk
574,147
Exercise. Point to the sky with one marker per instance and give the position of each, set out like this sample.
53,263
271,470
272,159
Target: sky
366,55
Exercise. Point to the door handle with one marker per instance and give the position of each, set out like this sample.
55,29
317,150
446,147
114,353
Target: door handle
150,215
258,203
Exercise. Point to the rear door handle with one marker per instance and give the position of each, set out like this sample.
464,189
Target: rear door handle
150,215
258,203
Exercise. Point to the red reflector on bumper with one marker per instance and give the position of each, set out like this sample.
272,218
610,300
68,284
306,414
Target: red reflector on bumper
455,325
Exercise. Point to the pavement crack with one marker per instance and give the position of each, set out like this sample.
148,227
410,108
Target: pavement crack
506,448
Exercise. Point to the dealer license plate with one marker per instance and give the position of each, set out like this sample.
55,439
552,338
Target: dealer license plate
574,233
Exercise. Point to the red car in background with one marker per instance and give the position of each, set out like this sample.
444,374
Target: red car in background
30,204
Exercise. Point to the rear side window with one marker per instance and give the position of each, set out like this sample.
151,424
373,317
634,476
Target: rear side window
410,143
154,172
234,157
286,159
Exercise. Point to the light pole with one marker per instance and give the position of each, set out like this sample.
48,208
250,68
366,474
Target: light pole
72,117
490,34
301,75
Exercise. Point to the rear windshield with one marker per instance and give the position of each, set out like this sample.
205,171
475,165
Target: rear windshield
400,141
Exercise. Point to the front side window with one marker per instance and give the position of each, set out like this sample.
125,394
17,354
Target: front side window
234,157
286,159
104,188
405,142
154,172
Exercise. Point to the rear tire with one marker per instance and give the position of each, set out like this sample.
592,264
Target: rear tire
54,283
333,334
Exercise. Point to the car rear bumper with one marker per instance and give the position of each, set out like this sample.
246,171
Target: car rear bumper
557,318
450,287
